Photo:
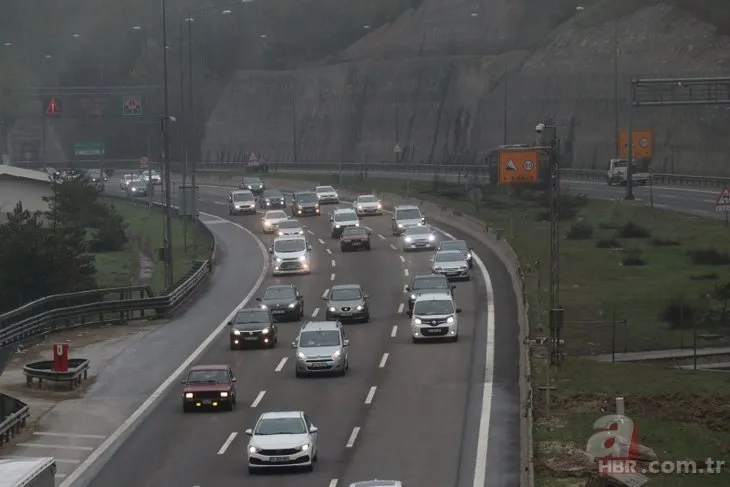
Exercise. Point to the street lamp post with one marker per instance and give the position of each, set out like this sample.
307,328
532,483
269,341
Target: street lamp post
164,127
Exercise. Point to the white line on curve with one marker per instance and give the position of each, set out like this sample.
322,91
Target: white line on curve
55,447
315,312
393,247
402,259
112,442
310,232
383,360
401,307
353,436
281,364
332,276
394,331
371,395
405,286
325,293
382,237
320,241
328,251
333,483
405,272
68,435
258,399
334,264
227,443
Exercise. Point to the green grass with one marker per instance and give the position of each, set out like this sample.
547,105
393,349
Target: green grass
116,269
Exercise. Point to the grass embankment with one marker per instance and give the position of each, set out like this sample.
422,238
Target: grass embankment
120,268
661,271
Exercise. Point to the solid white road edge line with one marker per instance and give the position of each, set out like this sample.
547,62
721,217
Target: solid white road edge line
281,364
383,360
394,331
55,447
148,405
371,395
353,436
227,443
315,312
69,435
258,399
401,307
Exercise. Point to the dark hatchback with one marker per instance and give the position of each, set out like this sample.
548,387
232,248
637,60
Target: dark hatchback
253,327
272,199
255,185
285,302
427,283
209,387
305,203
355,238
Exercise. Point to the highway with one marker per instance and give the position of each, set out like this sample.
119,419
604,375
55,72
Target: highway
417,413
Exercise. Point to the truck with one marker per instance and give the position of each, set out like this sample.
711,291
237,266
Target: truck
28,472
616,173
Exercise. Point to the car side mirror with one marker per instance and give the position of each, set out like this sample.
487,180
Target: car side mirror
230,323
258,299
408,289
249,432
346,343
294,344
230,198
271,251
366,296
370,232
324,298
458,310
234,379
453,288
410,314
313,429
183,381
309,246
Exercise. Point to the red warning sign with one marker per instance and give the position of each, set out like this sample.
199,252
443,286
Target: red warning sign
53,108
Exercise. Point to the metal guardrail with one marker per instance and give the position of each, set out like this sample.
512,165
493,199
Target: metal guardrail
78,370
13,413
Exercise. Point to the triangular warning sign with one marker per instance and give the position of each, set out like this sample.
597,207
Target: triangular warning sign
253,158
52,108
724,199
511,166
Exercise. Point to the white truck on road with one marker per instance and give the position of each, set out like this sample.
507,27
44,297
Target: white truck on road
28,472
616,173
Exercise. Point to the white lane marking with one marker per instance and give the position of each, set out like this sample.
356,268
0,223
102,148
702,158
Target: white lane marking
402,259
332,276
56,447
69,435
310,232
325,293
328,251
405,272
333,483
371,395
405,288
334,264
393,247
320,241
353,436
382,237
227,443
60,475
281,364
401,307
384,360
315,312
113,441
258,399
394,331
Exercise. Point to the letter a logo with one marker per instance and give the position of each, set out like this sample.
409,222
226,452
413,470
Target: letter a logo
53,108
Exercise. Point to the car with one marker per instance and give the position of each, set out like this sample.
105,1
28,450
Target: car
435,316
271,219
241,201
290,255
326,195
368,204
452,264
255,185
290,227
253,327
427,283
418,238
137,188
209,386
271,199
96,178
354,238
458,245
305,203
283,301
377,483
282,439
321,348
126,179
151,175
341,219
405,216
347,302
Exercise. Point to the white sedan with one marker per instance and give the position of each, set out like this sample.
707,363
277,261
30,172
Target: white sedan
271,219
368,204
280,440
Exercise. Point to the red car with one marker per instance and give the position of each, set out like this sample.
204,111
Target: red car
209,387
354,238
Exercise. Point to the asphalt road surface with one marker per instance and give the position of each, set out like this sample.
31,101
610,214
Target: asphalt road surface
417,413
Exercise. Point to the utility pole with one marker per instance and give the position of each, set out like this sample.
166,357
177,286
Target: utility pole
191,120
294,126
397,124
164,127
180,131
505,105
616,108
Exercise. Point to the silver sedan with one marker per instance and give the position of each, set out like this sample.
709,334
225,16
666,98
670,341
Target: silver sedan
452,264
418,238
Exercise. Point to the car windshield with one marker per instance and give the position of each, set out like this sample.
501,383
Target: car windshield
355,232
409,214
450,256
251,317
367,199
345,216
430,283
433,307
138,184
321,338
208,377
279,293
307,198
242,197
280,426
252,181
93,173
273,194
290,224
293,245
345,294
325,189
418,231
275,215
454,245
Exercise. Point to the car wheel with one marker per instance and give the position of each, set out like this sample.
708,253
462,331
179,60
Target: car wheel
301,312
471,265
309,468
342,248
252,470
186,408
298,374
455,339
233,347
415,340
315,458
233,399
367,318
367,247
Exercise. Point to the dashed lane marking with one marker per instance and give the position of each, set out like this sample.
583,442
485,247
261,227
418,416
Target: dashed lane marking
281,364
405,272
332,276
258,399
325,293
393,247
353,436
328,251
371,395
320,241
227,443
401,307
384,360
315,312
394,331
402,259
333,483
310,232
334,264
381,237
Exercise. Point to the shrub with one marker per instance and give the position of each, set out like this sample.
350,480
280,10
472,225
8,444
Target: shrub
608,243
580,230
679,314
633,258
607,226
705,277
709,256
664,242
632,230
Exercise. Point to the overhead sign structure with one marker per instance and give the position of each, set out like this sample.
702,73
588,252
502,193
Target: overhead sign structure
397,149
89,148
143,162
723,202
519,166
52,107
642,144
132,105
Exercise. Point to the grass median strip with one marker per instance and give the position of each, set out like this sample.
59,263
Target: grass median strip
632,279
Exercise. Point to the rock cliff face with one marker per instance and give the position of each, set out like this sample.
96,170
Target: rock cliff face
403,84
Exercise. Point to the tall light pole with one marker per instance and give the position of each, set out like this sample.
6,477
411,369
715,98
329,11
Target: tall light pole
164,127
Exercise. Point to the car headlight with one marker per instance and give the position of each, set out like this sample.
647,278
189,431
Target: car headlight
418,321
468,255
292,305
436,268
462,267
379,206
359,307
236,332
431,238
400,225
359,207
337,226
337,354
134,189
278,259
188,395
301,356
253,449
249,187
413,296
224,394
408,239
335,195
267,223
450,319
302,258
281,234
357,224
263,306
265,331
333,309
304,448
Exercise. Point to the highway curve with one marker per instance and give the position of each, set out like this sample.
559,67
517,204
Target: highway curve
423,422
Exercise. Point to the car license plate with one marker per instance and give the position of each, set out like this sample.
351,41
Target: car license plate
319,365
207,401
433,331
356,242
279,311
346,314
280,459
250,338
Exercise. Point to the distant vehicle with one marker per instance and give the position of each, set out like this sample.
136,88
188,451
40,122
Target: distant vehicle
405,216
209,386
368,204
28,472
458,245
355,238
425,284
283,301
255,185
326,195
271,199
271,219
341,219
347,302
137,188
282,439
290,227
126,179
290,255
151,175
241,201
253,327
96,176
452,264
321,348
617,173
418,238
305,203
435,316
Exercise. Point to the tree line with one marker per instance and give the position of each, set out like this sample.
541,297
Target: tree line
51,252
